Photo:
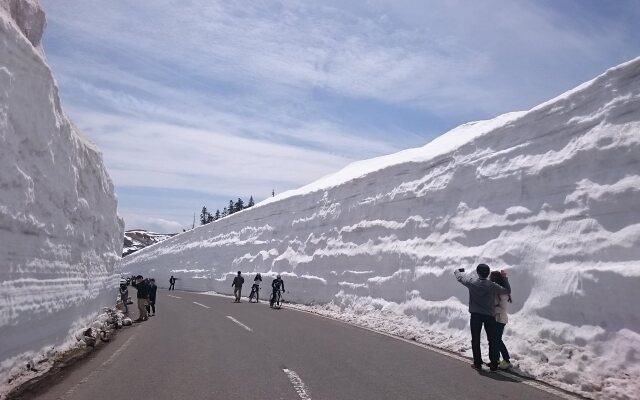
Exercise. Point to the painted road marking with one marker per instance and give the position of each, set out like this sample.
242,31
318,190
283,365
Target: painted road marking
529,382
201,305
98,370
298,385
239,323
175,297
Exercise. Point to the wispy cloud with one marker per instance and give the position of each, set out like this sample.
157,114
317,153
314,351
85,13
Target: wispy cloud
233,98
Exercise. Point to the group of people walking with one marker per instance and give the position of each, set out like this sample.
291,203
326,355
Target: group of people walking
146,296
489,295
277,286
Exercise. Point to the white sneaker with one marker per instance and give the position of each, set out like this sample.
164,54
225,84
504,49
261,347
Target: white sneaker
504,364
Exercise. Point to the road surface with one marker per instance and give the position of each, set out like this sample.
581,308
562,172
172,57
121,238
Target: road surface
207,347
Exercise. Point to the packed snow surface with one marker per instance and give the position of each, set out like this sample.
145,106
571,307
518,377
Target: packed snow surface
551,195
60,236
138,239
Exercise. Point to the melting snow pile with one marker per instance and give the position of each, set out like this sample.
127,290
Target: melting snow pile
60,236
551,195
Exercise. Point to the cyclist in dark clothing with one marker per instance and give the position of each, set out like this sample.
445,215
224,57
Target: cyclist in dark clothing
255,289
151,307
238,281
276,285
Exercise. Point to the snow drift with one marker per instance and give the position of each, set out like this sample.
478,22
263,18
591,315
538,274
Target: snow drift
60,236
550,194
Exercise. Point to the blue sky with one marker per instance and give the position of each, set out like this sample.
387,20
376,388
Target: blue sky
195,102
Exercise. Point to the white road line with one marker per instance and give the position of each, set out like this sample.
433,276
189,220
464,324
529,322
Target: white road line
98,370
533,383
239,323
298,385
175,297
201,305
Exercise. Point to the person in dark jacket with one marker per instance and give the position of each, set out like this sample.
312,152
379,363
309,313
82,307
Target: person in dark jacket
482,301
172,283
276,285
151,307
142,296
238,281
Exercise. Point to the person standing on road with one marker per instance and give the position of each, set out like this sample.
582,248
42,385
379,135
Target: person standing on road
151,307
502,300
238,281
142,296
276,285
482,298
172,283
124,297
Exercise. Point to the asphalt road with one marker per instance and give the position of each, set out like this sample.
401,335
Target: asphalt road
196,347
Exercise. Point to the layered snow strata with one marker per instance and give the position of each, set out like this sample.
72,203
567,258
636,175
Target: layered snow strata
551,195
60,236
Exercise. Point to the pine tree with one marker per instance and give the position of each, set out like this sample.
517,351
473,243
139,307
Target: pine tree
230,208
203,215
216,215
239,206
225,212
209,218
251,203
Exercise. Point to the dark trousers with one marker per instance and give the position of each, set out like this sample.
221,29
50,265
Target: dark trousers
151,306
501,346
172,286
489,322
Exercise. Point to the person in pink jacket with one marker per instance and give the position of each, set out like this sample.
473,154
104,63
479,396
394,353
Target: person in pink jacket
502,300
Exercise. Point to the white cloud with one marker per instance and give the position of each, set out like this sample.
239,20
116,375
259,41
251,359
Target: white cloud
154,224
241,97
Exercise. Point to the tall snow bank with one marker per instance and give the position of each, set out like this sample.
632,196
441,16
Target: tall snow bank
60,236
550,194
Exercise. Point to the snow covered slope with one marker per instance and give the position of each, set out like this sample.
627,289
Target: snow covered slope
138,239
552,195
60,236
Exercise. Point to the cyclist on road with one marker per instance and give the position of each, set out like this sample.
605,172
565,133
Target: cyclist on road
276,285
255,289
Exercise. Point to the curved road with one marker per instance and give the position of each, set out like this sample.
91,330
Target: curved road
207,347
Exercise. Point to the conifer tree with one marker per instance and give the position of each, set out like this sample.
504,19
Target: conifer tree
216,215
203,215
209,218
239,206
231,209
251,203
225,212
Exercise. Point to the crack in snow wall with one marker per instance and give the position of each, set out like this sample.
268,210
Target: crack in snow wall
60,236
550,194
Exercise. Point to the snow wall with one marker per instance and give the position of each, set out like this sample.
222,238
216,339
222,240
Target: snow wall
60,236
551,194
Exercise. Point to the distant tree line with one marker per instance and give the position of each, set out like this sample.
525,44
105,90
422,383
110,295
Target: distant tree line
233,207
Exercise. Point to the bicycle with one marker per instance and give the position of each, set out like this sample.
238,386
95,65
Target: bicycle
276,299
255,290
